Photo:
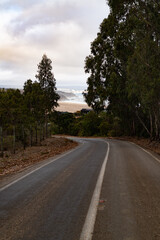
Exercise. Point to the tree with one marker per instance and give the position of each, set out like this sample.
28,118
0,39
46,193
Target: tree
11,112
11,106
35,108
107,68
34,100
123,65
47,83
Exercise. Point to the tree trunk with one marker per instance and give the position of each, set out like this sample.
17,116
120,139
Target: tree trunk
31,136
43,131
40,134
1,137
36,134
14,139
24,138
46,125
133,127
151,125
143,124
156,126
50,133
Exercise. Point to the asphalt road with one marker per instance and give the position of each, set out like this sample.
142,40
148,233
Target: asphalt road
52,201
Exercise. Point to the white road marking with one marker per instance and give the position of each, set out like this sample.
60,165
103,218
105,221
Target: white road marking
88,227
45,164
158,160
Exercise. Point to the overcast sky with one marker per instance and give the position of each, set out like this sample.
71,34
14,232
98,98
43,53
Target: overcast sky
62,29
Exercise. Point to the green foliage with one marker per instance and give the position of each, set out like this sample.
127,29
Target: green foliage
54,128
105,124
11,106
124,67
89,124
34,101
63,121
24,117
47,83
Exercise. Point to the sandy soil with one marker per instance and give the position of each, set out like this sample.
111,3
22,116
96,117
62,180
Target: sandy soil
71,107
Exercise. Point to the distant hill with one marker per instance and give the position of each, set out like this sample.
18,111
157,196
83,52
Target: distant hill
64,96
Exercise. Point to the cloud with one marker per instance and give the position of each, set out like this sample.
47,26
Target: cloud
63,29
55,12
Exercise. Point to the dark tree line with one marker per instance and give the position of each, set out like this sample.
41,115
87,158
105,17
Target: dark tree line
24,115
123,67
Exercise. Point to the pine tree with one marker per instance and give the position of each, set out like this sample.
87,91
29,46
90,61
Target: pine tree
47,83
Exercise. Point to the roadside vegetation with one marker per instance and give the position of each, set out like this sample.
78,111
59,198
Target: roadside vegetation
24,115
124,75
85,125
123,67
50,147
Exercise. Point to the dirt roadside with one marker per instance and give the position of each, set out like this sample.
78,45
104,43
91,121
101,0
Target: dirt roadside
24,158
146,143
52,147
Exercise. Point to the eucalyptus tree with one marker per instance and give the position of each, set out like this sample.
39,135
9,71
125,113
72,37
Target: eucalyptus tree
123,64
143,67
107,68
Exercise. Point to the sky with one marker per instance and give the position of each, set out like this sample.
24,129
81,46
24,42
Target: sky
61,29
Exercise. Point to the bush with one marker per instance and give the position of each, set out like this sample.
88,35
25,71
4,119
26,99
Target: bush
104,128
89,125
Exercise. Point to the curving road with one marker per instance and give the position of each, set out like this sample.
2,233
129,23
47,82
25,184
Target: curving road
100,190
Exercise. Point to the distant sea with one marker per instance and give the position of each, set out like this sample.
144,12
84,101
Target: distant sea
72,94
